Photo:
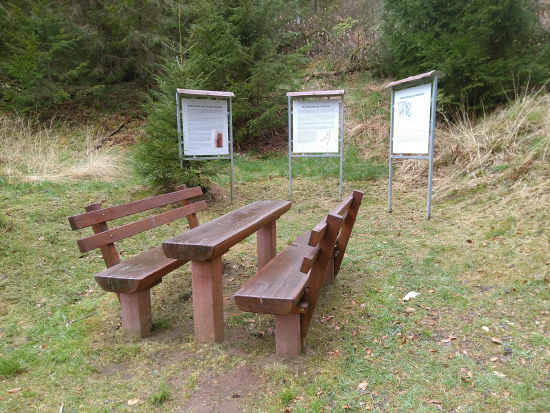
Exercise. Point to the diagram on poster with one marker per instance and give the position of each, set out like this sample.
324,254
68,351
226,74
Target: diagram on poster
205,127
411,120
315,126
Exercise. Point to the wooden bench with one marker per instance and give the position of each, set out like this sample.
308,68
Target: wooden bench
204,246
288,286
132,279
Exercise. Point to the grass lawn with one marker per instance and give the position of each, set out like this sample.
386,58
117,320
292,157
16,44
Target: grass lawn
476,339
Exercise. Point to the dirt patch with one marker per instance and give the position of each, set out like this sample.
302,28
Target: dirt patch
224,393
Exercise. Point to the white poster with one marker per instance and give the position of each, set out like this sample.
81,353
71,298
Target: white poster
315,126
411,120
205,127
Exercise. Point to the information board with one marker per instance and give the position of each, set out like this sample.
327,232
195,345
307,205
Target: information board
411,120
205,127
315,126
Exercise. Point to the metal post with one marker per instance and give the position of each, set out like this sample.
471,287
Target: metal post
341,147
391,151
180,137
289,148
230,116
432,133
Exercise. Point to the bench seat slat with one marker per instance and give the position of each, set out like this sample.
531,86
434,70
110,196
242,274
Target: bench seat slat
137,273
278,287
119,211
125,231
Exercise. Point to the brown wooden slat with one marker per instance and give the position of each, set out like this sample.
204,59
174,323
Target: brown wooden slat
125,231
309,259
119,211
317,273
317,93
277,287
317,233
345,233
192,219
197,92
343,206
214,238
137,273
109,252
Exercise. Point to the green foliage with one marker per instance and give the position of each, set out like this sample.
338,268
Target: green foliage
235,43
156,156
53,52
161,396
11,365
480,45
36,57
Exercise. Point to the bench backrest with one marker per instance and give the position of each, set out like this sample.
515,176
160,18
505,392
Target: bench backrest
328,239
104,237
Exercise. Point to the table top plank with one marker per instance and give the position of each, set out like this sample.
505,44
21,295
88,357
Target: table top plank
214,238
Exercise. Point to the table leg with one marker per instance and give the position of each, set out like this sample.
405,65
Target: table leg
266,244
208,300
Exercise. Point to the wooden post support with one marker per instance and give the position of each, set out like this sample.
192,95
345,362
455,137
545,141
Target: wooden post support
208,300
287,335
329,275
191,218
266,239
110,255
136,313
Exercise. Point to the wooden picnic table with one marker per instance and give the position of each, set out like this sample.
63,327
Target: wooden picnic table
205,245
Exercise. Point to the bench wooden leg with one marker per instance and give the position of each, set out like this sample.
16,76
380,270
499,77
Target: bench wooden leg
266,244
208,300
136,313
287,335
329,275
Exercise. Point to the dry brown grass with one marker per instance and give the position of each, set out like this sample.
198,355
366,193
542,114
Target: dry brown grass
54,152
507,151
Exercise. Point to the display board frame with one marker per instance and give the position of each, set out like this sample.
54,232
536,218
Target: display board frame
330,95
209,95
410,82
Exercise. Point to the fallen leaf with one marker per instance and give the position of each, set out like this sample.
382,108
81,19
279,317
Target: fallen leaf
432,350
319,392
493,359
14,390
433,401
133,402
469,241
499,374
410,310
236,396
21,322
345,406
496,340
485,328
362,386
523,361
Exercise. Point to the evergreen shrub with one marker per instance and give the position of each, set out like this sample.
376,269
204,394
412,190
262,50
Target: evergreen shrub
483,46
